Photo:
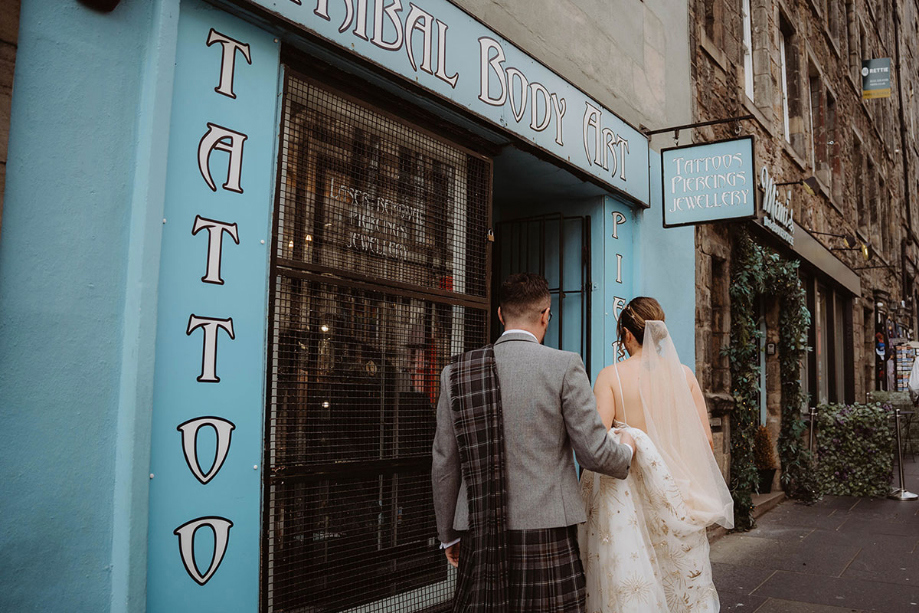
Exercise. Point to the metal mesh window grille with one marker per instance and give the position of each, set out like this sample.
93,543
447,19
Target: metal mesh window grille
355,363
369,194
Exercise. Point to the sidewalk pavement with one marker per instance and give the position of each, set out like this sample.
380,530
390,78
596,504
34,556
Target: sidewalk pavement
839,555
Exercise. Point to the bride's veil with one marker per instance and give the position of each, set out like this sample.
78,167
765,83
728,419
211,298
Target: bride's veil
674,427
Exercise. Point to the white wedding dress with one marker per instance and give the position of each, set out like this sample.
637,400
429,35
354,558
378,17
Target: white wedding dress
644,546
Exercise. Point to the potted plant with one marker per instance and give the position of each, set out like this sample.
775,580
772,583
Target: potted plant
764,457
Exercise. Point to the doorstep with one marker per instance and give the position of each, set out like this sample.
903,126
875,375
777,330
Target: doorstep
762,504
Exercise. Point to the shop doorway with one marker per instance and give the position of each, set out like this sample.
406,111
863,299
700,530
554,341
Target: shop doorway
558,247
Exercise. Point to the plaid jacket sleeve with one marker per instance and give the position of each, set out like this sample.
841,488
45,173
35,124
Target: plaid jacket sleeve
593,448
446,474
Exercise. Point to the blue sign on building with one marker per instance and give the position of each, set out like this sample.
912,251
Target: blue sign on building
448,52
208,404
709,183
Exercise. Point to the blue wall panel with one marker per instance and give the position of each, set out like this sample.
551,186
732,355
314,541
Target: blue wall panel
204,393
76,191
668,269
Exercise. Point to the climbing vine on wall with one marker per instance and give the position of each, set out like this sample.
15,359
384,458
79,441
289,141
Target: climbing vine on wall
757,271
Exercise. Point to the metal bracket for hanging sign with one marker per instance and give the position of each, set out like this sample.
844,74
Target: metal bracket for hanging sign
688,126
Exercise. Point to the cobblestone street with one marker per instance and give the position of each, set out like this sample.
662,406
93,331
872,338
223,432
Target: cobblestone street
840,555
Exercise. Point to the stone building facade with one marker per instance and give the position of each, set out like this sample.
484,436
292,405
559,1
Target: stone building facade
795,67
9,35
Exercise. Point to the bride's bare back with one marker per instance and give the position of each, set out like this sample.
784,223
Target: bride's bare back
614,404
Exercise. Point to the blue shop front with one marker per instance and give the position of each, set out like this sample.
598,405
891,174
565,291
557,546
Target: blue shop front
345,185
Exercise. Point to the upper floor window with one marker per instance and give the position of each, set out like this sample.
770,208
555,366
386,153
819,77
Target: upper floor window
747,17
783,67
858,173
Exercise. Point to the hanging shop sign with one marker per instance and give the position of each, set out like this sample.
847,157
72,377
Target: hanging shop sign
438,46
777,216
209,383
709,183
876,78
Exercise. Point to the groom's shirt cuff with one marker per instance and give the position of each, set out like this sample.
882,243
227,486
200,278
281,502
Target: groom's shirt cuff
450,544
631,453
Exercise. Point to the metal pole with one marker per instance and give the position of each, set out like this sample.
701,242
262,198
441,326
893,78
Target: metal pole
900,493
810,441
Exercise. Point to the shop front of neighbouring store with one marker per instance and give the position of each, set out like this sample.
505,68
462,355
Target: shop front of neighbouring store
360,177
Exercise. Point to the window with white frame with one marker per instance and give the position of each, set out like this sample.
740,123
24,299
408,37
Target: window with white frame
783,67
747,49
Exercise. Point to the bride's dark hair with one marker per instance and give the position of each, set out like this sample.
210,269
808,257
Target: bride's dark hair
633,318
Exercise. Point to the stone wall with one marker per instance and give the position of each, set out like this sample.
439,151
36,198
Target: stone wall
9,36
852,146
631,56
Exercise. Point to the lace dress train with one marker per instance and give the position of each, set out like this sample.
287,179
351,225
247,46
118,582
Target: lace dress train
641,547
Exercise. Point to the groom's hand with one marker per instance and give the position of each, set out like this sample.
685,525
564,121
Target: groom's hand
452,552
626,439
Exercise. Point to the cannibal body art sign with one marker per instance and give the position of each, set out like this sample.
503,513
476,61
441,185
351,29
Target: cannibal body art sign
206,449
708,183
438,46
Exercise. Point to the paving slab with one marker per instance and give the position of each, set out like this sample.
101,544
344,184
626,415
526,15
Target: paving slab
779,531
882,509
833,591
864,539
841,503
775,554
906,526
885,565
774,605
803,516
741,603
738,580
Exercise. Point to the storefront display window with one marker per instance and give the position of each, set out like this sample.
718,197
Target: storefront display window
829,367
379,276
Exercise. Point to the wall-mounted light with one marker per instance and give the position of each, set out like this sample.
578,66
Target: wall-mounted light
810,184
106,6
851,244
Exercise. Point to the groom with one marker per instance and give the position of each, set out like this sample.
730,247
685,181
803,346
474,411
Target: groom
505,487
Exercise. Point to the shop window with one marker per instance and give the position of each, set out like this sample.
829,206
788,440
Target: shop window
822,345
831,364
378,277
838,392
870,345
747,18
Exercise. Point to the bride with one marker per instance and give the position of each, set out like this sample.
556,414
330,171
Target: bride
644,546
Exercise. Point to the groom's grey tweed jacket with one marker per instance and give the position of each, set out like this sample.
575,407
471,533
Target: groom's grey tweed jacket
549,409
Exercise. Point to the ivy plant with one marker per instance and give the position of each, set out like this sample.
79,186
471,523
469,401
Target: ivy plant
756,271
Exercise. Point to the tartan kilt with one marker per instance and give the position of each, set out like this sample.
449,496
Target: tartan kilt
545,572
